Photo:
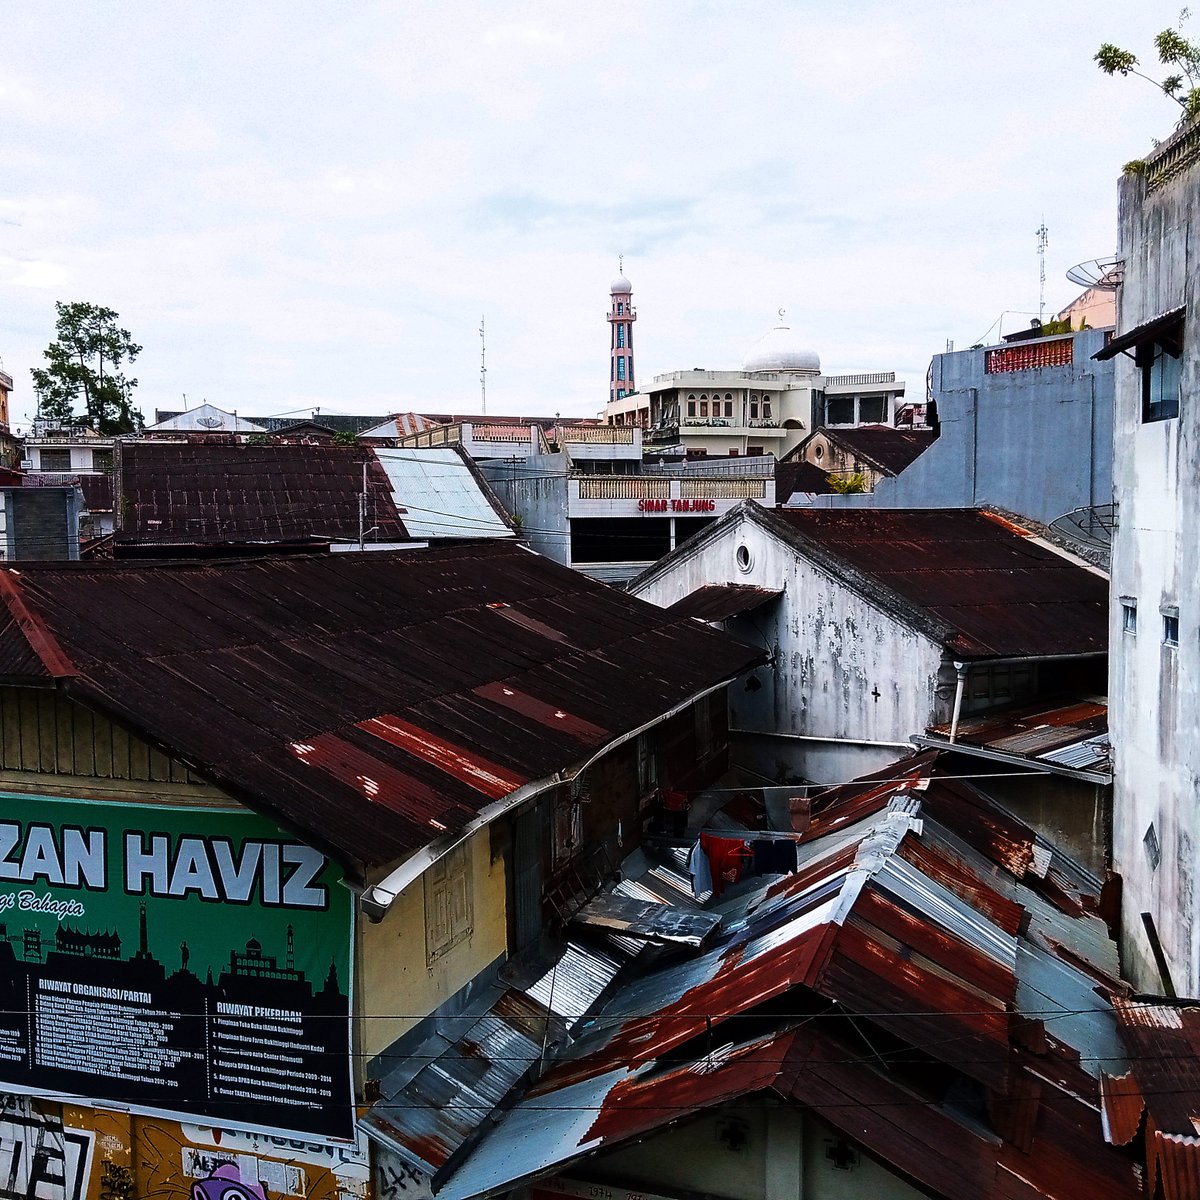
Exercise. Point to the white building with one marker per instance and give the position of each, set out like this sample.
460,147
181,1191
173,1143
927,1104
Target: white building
66,449
1156,570
882,624
767,407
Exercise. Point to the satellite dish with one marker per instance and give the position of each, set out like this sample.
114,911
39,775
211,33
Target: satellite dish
210,422
1089,529
1103,273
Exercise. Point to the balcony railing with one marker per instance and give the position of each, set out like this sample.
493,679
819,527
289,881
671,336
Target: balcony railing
618,487
872,377
722,489
604,435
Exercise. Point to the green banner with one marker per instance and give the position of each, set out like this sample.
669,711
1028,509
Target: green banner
188,961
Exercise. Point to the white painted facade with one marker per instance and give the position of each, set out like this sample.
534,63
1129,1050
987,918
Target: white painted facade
1155,685
849,682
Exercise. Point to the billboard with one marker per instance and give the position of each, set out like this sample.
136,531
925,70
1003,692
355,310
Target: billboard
185,961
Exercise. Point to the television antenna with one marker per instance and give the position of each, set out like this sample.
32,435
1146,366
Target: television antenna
1043,236
483,365
1104,274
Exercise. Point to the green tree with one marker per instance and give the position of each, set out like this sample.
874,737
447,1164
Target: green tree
1174,50
84,364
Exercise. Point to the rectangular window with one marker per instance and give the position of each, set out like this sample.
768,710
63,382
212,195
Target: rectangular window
839,410
449,911
704,408
620,336
729,408
620,308
1160,382
1003,683
102,460
620,366
54,460
691,408
766,409
1128,614
1170,628
872,410
754,410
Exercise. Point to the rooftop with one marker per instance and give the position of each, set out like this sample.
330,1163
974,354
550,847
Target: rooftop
371,702
929,948
884,447
205,492
983,586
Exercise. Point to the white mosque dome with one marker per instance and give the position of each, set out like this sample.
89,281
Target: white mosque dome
621,285
779,350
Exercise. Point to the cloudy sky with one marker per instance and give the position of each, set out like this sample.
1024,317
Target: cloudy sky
299,204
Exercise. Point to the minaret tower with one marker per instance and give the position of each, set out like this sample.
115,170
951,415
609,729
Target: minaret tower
621,316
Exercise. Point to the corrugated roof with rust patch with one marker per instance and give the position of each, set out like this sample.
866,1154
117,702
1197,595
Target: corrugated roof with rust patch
969,576
888,449
719,601
206,491
370,701
913,959
1069,739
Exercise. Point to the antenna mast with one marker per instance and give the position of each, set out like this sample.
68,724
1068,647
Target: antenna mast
1043,235
483,365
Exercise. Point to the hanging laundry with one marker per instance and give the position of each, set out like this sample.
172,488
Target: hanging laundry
727,858
700,871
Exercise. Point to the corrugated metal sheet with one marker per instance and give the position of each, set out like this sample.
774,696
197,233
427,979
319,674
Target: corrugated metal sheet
650,921
354,697
1074,736
996,593
196,492
440,495
720,601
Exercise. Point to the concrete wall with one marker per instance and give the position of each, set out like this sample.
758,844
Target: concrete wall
535,489
1037,442
1155,689
850,683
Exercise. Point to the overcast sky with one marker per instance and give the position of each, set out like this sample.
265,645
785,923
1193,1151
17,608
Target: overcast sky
305,204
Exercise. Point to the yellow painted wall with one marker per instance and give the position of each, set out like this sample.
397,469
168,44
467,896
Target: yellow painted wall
398,985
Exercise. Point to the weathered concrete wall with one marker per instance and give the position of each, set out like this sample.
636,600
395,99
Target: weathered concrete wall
850,683
1155,688
535,490
1037,442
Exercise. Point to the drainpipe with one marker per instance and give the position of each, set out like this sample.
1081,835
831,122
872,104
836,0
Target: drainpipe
961,683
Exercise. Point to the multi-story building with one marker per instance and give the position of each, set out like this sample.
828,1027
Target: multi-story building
1155,662
67,449
767,407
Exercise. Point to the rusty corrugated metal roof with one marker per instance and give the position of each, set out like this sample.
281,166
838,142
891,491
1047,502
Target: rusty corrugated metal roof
987,590
1069,738
370,701
719,601
925,952
208,491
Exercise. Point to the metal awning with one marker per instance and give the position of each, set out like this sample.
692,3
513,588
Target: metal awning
720,601
1162,329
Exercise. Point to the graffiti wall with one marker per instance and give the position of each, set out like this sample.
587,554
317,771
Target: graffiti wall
62,1152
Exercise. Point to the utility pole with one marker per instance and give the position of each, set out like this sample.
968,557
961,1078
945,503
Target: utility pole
1043,235
483,366
362,510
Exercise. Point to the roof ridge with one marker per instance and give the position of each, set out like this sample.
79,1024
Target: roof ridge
37,633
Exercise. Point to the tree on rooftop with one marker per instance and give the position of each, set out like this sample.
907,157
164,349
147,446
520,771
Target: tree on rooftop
84,365
1174,50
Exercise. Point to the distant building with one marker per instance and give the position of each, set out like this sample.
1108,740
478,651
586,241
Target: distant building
872,452
621,316
204,418
66,449
1025,425
1155,582
767,407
